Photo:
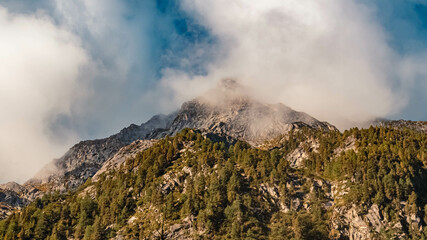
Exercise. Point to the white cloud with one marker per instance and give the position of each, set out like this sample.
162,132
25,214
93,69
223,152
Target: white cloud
116,36
328,58
40,65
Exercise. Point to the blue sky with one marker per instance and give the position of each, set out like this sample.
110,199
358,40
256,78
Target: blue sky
102,65
406,23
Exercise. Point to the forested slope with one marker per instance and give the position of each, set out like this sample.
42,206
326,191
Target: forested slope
306,184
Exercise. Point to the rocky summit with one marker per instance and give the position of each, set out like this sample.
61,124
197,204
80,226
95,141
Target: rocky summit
227,166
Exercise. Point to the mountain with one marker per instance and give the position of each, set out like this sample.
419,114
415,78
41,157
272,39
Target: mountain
419,126
84,159
226,165
14,196
226,109
229,110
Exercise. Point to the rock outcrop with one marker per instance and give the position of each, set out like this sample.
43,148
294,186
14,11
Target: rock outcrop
420,126
14,196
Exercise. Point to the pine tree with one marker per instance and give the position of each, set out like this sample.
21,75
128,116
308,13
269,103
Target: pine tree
98,231
88,233
41,229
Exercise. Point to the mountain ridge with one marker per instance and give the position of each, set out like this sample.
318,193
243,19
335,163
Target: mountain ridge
226,109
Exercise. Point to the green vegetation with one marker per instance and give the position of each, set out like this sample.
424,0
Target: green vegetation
212,188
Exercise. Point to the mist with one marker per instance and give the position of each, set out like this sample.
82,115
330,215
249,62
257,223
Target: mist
39,77
331,59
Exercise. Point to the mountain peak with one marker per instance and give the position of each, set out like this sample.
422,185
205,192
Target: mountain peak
227,110
229,84
227,92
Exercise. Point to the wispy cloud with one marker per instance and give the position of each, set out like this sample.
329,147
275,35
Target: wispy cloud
39,78
88,70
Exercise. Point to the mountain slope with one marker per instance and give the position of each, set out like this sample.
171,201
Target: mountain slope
420,126
14,196
360,184
84,159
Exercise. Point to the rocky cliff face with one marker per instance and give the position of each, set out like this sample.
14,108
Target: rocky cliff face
14,196
420,126
124,153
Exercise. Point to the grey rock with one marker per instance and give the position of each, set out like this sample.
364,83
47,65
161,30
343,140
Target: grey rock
14,196
420,126
124,153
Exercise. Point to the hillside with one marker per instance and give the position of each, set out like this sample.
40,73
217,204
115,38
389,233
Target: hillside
305,184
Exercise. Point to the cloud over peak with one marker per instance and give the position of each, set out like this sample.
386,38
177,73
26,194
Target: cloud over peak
330,59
